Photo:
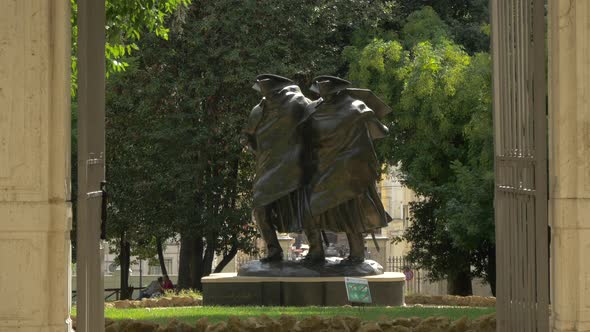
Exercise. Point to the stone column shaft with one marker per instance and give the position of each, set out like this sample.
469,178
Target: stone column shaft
569,163
35,216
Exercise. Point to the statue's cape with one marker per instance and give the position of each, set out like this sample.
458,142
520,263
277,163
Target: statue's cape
368,100
342,162
372,101
274,134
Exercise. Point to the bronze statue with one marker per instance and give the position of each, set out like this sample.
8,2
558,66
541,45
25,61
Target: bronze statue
273,132
316,167
341,165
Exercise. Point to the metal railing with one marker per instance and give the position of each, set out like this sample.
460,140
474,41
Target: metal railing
415,277
116,292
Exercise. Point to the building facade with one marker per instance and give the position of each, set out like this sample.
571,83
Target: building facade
396,199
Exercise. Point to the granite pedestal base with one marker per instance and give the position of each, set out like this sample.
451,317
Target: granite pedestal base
331,267
228,289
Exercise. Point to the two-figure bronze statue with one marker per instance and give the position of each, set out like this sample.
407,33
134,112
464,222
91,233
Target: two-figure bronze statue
316,166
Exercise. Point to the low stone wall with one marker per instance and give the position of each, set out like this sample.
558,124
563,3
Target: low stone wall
450,300
315,323
174,301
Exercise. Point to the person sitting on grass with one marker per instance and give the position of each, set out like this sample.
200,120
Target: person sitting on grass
152,290
167,285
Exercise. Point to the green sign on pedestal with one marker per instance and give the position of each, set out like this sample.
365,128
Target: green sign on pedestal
357,290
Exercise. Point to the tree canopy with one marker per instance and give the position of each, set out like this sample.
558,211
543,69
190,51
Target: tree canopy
441,138
468,20
126,22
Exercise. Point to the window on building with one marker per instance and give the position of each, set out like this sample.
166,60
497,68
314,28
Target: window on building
405,215
156,270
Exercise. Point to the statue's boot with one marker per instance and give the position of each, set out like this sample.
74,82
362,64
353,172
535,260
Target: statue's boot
269,235
316,249
356,243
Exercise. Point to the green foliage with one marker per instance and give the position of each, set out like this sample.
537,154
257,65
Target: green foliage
153,147
430,116
293,38
467,19
432,243
126,22
375,64
424,25
471,196
441,136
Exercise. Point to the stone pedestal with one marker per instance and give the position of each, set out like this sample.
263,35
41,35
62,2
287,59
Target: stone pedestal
569,163
230,267
231,290
331,267
35,215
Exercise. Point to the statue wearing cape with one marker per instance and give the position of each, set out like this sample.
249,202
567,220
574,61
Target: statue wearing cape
273,133
341,166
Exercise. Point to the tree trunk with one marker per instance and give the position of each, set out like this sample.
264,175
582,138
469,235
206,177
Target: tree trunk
460,284
491,269
226,259
124,260
190,268
185,261
197,263
161,256
209,256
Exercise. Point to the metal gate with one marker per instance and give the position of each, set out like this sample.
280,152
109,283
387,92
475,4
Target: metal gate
520,131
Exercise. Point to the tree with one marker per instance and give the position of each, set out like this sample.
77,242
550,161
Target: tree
191,96
126,21
468,20
155,138
424,25
471,197
441,136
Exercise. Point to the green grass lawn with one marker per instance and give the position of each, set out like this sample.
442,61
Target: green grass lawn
216,314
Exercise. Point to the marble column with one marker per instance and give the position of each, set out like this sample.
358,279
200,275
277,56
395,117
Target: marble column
35,215
569,163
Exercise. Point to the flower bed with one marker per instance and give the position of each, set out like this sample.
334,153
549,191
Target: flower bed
174,301
290,323
450,300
